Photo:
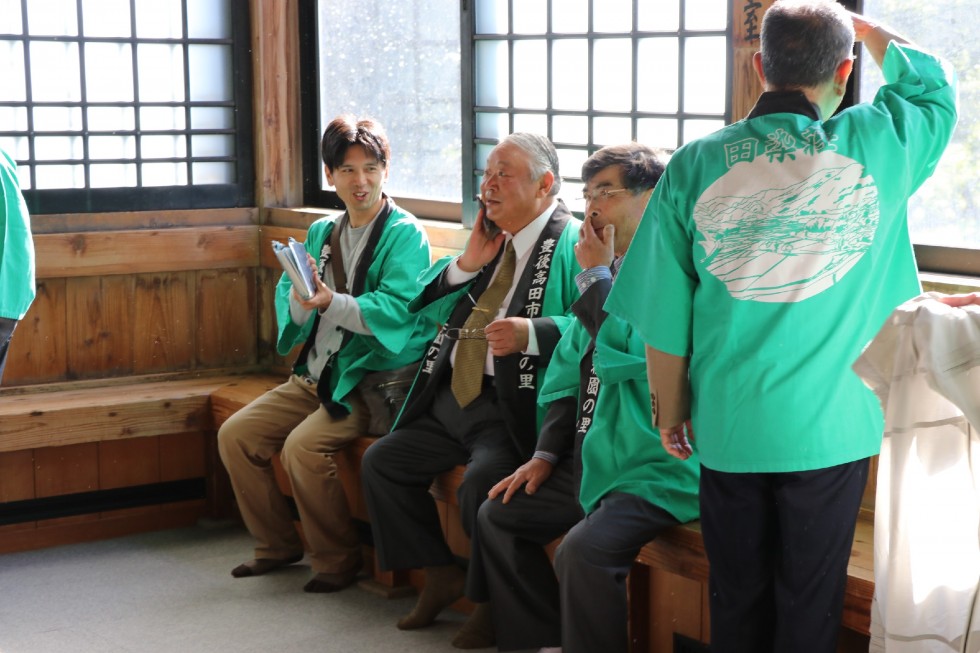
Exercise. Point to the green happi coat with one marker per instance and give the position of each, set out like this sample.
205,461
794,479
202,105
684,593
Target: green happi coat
399,337
621,451
16,246
779,246
552,316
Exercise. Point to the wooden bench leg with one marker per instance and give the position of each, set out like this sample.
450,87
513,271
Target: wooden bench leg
388,584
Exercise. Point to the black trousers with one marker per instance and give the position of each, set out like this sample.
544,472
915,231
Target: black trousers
778,545
398,469
7,327
579,605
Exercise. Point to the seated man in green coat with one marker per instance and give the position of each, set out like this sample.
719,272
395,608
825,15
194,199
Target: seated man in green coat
367,261
598,467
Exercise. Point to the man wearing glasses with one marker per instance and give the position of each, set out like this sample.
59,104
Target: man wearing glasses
597,468
504,303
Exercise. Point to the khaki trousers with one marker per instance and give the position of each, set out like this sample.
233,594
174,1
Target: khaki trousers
290,419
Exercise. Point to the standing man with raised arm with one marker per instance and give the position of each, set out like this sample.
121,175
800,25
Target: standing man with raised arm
504,303
598,468
779,246
380,250
16,256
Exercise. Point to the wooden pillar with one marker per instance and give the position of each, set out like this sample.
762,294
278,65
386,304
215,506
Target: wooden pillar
276,90
746,24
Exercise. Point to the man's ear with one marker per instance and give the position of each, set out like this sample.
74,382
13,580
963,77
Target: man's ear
842,73
757,64
545,183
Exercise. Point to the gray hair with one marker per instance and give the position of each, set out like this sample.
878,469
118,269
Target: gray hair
542,155
803,42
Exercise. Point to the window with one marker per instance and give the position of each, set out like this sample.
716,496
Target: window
587,74
398,62
102,97
944,215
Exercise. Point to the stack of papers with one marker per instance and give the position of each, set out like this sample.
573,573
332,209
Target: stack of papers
294,261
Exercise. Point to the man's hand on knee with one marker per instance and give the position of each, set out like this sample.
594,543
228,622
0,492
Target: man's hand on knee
530,475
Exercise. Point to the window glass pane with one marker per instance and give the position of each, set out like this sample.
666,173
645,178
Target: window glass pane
54,72
612,82
58,148
60,176
657,61
403,69
492,74
657,132
610,131
571,193
212,145
704,79
482,153
210,73
530,17
570,63
161,118
945,211
164,174
106,119
112,175
106,18
161,72
159,19
659,16
208,20
13,118
570,163
214,173
16,146
569,16
212,118
57,119
109,72
694,129
112,147
531,122
529,91
491,125
11,20
163,147
52,18
705,14
24,176
491,16
612,16
570,129
13,88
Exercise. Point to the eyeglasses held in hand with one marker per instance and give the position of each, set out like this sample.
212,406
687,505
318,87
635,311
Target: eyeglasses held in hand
465,334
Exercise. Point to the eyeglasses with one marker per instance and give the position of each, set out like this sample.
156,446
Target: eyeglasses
465,334
601,193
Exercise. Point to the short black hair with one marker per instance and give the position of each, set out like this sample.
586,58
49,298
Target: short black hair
346,130
803,42
641,165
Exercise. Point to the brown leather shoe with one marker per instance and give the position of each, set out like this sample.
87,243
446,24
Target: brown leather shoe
324,583
261,566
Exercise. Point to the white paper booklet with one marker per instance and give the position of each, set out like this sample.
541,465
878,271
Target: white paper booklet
293,259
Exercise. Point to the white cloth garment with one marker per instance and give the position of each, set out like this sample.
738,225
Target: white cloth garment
924,366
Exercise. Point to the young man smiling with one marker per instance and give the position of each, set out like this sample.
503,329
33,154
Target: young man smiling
344,334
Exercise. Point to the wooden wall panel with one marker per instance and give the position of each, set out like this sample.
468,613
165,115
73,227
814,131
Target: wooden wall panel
226,318
125,463
66,470
145,250
16,476
182,456
746,24
38,349
100,326
163,338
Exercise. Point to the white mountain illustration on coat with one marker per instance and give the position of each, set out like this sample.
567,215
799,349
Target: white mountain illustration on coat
784,244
